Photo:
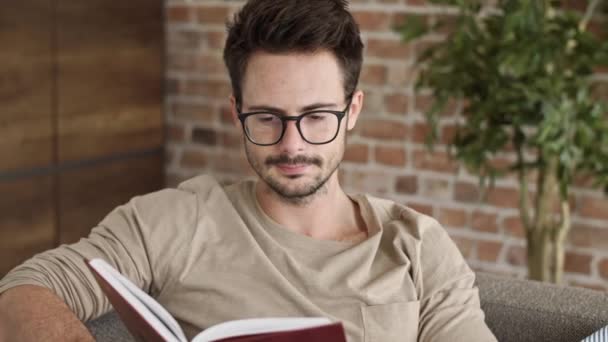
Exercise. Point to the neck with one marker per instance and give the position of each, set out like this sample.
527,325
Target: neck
329,214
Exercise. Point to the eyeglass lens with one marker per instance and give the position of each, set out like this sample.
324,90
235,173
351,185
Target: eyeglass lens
316,128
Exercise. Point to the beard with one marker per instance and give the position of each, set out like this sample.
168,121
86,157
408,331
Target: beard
280,185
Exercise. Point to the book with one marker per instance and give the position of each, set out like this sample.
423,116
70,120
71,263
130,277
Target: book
148,321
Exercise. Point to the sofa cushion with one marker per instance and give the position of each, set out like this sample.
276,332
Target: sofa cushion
524,310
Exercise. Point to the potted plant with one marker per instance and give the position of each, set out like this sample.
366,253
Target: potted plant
522,69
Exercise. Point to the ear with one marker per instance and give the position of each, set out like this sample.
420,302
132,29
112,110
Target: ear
355,109
234,112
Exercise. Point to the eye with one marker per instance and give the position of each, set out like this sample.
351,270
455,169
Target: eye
266,118
316,117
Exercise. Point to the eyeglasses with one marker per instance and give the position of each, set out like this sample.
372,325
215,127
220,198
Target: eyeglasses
316,127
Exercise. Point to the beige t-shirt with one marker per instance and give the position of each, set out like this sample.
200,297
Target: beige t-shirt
210,254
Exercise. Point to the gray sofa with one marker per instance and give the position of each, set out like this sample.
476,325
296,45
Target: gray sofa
516,310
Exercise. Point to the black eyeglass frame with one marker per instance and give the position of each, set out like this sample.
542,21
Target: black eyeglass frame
339,114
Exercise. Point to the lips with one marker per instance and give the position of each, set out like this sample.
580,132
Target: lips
292,169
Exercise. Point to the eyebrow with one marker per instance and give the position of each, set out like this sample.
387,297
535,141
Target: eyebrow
303,109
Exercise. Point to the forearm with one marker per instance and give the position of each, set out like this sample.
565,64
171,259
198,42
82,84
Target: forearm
34,313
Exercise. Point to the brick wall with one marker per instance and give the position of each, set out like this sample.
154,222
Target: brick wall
386,155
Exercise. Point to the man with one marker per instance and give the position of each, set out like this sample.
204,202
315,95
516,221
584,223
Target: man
292,243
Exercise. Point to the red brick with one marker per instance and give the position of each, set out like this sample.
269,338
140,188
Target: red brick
184,40
407,184
182,62
383,130
514,227
503,197
448,132
517,256
231,139
370,181
396,103
420,132
195,112
577,263
589,237
453,217
209,65
594,207
193,159
434,161
466,192
422,208
392,156
423,104
374,74
372,21
465,245
212,14
205,136
178,13
215,39
484,222
488,250
584,181
401,75
399,19
603,268
356,153
175,133
390,49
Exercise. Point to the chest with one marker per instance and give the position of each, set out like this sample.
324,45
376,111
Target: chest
372,295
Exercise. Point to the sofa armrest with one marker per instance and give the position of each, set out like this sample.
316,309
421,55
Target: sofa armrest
524,310
109,328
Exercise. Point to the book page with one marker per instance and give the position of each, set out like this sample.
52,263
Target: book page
149,308
258,325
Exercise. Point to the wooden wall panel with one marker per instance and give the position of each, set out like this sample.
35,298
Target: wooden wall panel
110,77
25,85
88,194
27,220
80,80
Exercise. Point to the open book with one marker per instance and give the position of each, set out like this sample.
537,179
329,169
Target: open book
147,320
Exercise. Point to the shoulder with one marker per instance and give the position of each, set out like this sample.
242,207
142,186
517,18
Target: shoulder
170,206
437,263
399,219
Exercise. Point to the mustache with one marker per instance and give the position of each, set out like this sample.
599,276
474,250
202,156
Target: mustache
301,159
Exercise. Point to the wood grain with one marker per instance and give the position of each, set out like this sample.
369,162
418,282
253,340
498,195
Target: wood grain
26,220
25,85
110,77
87,195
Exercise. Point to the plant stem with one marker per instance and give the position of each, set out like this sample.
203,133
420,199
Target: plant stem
559,237
588,15
541,248
524,201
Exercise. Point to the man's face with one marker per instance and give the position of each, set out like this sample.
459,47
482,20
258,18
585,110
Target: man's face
290,84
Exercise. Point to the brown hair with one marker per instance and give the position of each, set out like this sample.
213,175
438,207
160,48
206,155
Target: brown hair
280,26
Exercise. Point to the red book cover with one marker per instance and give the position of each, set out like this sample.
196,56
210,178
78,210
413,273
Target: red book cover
147,320
326,333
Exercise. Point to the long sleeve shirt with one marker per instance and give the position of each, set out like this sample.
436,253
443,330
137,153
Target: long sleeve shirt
208,253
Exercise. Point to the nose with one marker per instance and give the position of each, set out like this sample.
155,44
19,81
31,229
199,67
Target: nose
292,140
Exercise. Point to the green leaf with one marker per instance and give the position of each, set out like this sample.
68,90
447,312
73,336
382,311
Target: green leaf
413,28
